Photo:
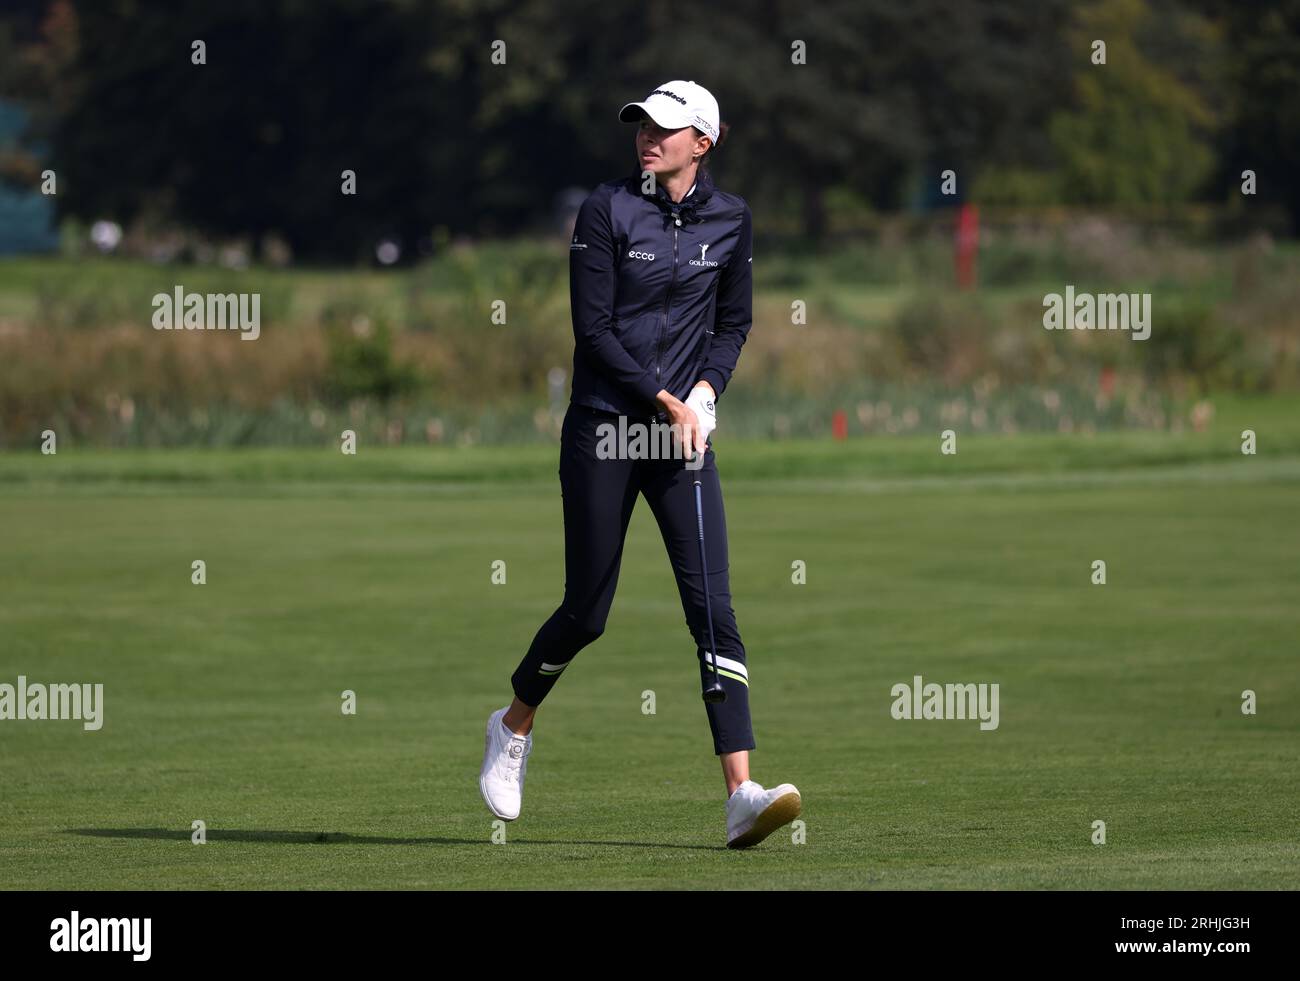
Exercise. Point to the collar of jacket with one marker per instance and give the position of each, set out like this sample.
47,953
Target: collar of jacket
688,206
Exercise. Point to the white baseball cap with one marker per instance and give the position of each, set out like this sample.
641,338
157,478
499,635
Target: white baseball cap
677,104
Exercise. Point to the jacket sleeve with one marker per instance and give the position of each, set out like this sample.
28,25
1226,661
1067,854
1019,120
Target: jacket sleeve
592,281
735,312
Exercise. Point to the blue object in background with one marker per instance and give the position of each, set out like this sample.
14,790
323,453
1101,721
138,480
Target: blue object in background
27,217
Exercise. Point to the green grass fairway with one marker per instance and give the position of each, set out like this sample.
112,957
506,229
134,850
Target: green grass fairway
1119,703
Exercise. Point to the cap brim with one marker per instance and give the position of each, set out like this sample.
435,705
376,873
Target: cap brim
634,111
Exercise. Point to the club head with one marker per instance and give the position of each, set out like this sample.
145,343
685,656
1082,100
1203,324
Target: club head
715,693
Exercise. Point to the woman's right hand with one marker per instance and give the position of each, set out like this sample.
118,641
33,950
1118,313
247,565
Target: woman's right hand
684,418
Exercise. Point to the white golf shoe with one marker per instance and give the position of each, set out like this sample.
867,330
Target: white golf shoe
505,762
754,813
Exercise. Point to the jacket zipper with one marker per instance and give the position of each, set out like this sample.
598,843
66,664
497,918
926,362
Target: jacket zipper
663,326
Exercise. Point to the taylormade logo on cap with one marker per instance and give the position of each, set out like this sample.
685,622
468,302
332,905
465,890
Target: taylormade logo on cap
677,104
669,94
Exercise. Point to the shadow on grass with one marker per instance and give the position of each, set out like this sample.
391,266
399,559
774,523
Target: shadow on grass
341,838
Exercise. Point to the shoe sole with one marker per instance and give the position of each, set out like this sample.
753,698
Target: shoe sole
482,787
780,812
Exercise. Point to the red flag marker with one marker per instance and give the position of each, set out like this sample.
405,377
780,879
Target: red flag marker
840,424
967,241
1107,381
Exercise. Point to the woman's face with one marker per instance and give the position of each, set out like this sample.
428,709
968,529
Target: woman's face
667,151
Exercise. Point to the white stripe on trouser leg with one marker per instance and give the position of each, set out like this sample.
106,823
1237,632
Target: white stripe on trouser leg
730,664
552,668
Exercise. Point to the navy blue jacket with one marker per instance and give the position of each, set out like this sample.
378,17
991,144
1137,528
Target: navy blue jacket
661,293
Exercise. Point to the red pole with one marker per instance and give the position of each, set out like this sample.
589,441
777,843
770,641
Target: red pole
967,241
840,424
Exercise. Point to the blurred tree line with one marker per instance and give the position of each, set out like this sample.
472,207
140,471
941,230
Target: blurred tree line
406,94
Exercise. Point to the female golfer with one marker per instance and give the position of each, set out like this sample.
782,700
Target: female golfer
661,293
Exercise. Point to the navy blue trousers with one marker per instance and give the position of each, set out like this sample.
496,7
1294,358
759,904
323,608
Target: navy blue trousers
598,496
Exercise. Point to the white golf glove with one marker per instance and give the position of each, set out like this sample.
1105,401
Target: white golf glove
701,402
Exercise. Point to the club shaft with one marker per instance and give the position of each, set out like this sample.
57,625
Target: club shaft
704,579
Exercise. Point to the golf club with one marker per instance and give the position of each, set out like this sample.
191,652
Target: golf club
714,692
